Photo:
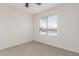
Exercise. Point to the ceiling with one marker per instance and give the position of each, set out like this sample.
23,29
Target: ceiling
34,8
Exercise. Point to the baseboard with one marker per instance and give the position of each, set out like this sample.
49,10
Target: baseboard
74,51
17,43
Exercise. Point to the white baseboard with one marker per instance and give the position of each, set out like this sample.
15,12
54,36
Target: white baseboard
17,43
75,51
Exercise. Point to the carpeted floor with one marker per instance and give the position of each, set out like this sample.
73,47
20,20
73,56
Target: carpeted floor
35,49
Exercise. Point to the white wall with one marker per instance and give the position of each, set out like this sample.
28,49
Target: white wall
68,27
15,26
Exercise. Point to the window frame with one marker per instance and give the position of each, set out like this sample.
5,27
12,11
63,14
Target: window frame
47,23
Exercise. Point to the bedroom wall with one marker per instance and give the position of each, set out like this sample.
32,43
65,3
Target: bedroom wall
15,26
68,27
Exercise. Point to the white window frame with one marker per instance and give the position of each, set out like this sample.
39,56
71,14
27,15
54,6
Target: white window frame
47,25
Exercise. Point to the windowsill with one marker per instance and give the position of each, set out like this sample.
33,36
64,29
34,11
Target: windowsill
53,34
49,34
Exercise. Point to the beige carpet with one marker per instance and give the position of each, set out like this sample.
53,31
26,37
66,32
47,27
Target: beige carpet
35,49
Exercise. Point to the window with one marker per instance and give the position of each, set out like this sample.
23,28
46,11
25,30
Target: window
48,25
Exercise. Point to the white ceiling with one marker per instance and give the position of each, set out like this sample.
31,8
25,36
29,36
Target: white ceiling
34,8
